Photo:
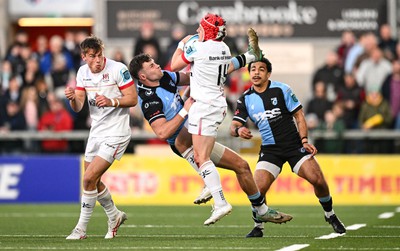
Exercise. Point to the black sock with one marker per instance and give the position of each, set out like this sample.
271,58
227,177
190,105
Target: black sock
327,205
257,201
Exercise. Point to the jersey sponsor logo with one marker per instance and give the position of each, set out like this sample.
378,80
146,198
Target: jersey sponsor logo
92,102
148,104
212,58
155,114
126,75
148,93
113,147
106,77
267,114
190,50
294,97
274,101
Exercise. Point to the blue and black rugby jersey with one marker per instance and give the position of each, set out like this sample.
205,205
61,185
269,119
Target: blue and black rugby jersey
162,101
272,112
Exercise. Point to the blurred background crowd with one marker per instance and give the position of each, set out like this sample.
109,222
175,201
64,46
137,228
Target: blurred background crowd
357,87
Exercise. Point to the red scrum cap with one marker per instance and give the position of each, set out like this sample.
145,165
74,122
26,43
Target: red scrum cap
214,27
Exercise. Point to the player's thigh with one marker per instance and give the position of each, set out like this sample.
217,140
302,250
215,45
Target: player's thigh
226,158
311,171
96,168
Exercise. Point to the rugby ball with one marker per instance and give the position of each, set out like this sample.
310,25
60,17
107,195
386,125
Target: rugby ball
188,45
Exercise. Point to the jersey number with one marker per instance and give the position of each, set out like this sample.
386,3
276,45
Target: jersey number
222,73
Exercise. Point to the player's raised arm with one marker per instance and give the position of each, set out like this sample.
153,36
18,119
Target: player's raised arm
75,97
177,62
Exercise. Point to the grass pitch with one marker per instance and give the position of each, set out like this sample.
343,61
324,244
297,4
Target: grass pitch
44,227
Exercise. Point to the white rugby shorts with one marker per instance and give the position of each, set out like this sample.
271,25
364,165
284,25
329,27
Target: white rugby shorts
108,148
204,119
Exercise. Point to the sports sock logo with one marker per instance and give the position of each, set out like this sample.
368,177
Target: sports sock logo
86,205
205,173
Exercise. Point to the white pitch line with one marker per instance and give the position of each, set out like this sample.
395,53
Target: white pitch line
398,210
386,215
294,247
356,226
136,248
329,236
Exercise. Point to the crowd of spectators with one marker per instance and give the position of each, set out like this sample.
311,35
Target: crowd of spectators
358,87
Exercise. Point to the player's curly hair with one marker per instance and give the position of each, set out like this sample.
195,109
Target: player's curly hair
263,60
136,64
214,27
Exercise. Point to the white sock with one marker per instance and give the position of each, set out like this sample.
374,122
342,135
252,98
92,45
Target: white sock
259,225
249,57
105,200
88,202
211,178
329,214
189,156
261,210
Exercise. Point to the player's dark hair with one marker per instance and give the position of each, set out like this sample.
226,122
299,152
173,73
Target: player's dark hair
92,42
136,64
263,60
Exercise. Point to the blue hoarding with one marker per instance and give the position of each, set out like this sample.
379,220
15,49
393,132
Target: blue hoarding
40,179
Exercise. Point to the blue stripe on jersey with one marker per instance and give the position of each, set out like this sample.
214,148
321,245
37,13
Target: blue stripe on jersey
257,114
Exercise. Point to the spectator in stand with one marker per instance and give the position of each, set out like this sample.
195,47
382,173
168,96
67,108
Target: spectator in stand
391,92
13,53
347,41
14,57
373,71
375,114
147,38
351,95
41,48
56,119
331,73
359,51
57,63
333,122
386,42
42,91
13,93
319,104
32,73
30,107
11,119
21,38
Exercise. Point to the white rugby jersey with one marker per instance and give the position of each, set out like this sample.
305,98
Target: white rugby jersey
209,68
106,121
